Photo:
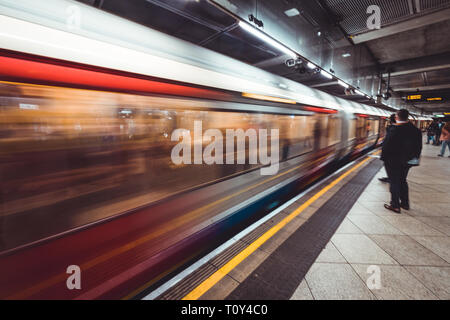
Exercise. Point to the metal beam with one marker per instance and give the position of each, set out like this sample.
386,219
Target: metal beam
418,65
218,34
185,14
411,24
418,70
272,61
425,88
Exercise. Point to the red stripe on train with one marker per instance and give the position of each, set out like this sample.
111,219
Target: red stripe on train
30,71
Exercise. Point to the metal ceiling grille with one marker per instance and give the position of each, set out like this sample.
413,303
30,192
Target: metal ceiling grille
354,17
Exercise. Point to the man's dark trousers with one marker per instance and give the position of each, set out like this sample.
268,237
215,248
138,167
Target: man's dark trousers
397,174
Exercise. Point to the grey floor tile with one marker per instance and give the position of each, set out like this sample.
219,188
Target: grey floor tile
330,254
373,225
348,227
377,208
376,196
359,248
411,226
407,251
429,209
439,223
395,283
358,209
436,279
302,292
439,245
329,281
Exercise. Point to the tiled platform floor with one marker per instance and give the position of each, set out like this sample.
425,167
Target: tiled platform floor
411,251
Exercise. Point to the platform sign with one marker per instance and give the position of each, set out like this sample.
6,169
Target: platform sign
414,97
434,99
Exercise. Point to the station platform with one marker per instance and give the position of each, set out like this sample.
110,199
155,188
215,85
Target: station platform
336,241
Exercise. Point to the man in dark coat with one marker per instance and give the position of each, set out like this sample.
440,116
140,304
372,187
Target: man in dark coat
402,144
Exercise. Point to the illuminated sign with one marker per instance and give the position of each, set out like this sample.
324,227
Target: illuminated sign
434,99
416,97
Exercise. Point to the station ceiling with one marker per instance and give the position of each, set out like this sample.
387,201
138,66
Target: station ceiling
412,47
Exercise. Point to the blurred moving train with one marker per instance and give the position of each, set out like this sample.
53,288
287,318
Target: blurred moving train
85,140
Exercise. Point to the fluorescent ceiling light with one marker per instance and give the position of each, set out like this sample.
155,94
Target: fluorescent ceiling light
346,55
360,92
342,83
326,74
292,12
266,38
311,65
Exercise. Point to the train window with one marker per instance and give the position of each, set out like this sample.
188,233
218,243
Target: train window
334,130
361,128
352,129
382,127
296,135
376,127
82,150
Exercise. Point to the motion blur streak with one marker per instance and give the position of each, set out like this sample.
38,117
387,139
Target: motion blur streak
32,70
86,176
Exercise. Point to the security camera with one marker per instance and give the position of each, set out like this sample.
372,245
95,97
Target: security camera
290,63
293,62
258,22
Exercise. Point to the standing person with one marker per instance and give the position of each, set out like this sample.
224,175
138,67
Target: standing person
402,144
439,127
445,138
388,128
431,131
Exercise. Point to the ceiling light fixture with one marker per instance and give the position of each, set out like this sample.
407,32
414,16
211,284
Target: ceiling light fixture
292,12
342,83
247,27
311,65
326,74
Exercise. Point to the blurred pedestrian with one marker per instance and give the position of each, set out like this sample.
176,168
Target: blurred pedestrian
439,127
445,138
431,132
403,144
388,128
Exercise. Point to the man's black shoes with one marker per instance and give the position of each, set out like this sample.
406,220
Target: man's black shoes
391,208
404,206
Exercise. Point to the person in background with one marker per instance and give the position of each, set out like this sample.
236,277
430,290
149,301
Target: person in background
403,144
388,128
431,131
439,127
445,138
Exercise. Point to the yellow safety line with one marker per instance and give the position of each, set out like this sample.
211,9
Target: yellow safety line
230,265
